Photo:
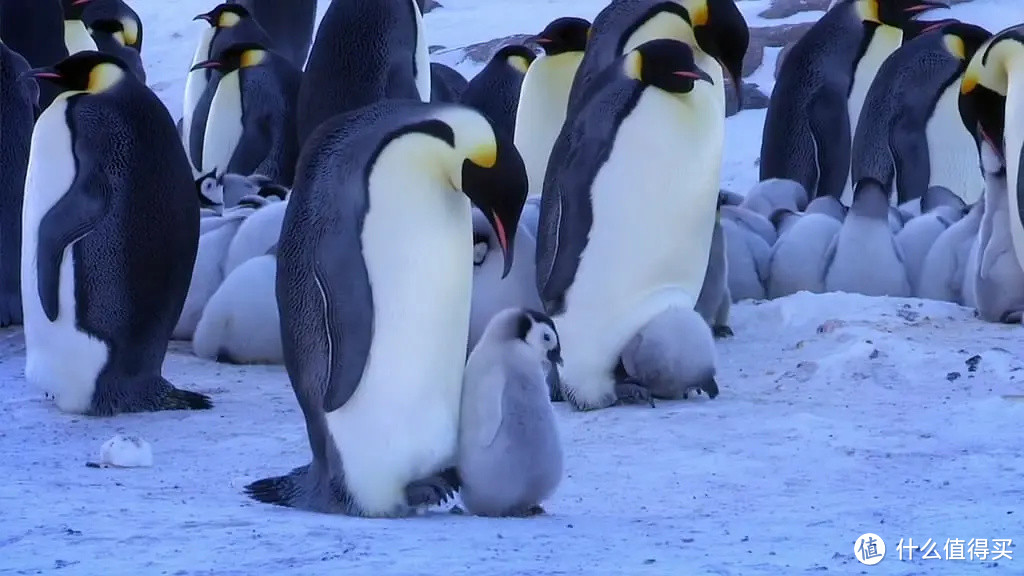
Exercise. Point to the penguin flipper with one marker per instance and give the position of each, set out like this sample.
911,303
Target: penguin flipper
199,117
830,126
828,258
73,216
253,149
909,147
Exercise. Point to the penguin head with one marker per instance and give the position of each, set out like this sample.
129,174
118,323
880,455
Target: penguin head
538,331
74,9
515,55
236,56
985,84
564,35
721,32
115,11
87,71
666,64
225,15
898,12
112,28
963,40
210,191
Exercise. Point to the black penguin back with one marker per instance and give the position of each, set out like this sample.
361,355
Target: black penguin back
289,24
36,31
494,91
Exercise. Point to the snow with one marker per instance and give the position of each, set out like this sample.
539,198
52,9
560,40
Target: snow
839,415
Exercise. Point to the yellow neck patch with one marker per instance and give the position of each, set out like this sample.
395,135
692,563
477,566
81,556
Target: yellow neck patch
103,77
519,63
634,65
252,58
485,156
868,10
698,10
131,31
228,19
119,36
1005,55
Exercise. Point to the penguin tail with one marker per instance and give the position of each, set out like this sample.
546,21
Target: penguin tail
278,490
178,399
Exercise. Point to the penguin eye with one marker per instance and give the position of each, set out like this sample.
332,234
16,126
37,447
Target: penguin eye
547,337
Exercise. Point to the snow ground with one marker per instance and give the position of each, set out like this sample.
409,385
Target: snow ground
871,423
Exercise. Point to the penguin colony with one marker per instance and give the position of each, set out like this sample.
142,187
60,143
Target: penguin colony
435,260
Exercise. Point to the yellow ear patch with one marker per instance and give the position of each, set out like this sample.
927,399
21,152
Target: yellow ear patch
228,19
119,36
484,156
955,45
868,10
131,31
103,77
252,58
634,65
970,81
519,63
698,12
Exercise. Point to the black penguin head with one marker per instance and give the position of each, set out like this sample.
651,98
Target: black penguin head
914,28
236,56
515,55
538,331
899,12
984,86
964,40
722,33
115,11
564,35
666,64
225,15
87,71
74,9
112,28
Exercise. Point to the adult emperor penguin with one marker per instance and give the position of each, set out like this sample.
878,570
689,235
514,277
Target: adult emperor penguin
76,35
446,84
992,107
109,236
545,94
820,88
111,37
229,24
494,91
714,29
364,51
373,283
909,136
251,125
289,24
18,102
35,30
119,11
645,148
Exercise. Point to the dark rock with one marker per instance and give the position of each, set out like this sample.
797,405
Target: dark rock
427,5
753,98
787,8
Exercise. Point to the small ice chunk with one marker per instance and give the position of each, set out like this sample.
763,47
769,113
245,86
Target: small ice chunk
126,452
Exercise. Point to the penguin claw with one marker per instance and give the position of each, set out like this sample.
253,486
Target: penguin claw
722,331
432,491
633,392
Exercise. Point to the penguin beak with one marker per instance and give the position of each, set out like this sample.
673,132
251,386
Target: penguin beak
935,25
45,73
541,39
555,355
924,5
722,33
695,75
80,2
206,65
206,17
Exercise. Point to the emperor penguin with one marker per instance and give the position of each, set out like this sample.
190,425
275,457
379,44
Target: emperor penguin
446,84
290,25
18,97
251,125
110,229
714,300
76,35
864,257
374,273
111,37
799,259
364,51
229,24
945,265
714,29
115,11
35,30
545,94
991,106
909,136
820,89
628,212
494,91
510,451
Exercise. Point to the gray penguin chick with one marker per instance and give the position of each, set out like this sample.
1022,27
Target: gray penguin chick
714,299
800,256
942,272
919,235
510,453
772,194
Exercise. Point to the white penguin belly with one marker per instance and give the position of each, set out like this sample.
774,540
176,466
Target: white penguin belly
1014,138
402,422
224,125
59,358
542,104
953,155
884,41
195,85
76,37
422,57
653,216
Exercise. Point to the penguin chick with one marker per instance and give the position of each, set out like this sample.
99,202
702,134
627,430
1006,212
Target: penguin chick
942,272
747,254
671,356
829,206
752,221
798,259
918,235
864,257
495,90
714,299
772,194
510,454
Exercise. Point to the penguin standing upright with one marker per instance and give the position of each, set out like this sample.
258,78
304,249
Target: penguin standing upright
251,126
820,89
495,89
628,211
109,236
290,25
17,103
112,37
35,30
373,285
714,29
545,94
909,136
364,51
119,11
76,35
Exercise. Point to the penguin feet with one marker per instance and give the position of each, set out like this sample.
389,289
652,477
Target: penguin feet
630,391
709,387
154,395
529,512
432,491
722,331
1012,317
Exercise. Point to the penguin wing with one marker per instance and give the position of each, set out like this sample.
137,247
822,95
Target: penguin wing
830,127
253,147
489,409
908,143
829,257
73,216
